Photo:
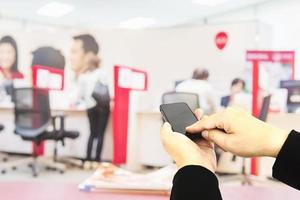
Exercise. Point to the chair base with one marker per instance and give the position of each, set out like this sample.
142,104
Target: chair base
69,161
34,163
3,157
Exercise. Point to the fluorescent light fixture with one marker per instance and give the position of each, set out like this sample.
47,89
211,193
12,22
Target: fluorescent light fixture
137,23
209,2
55,9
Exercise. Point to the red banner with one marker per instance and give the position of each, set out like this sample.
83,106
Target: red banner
125,80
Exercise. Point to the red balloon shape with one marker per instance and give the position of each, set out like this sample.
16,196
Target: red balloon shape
221,40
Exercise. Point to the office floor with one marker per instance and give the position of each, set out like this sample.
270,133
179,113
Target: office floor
23,174
66,185
77,175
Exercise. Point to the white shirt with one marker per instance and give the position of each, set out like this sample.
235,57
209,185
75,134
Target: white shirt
204,90
242,100
81,88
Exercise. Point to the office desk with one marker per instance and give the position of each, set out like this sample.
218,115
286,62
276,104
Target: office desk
48,191
76,119
144,146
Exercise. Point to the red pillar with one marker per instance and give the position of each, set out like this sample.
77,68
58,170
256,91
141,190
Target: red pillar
255,108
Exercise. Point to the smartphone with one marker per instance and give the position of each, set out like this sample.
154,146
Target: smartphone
179,115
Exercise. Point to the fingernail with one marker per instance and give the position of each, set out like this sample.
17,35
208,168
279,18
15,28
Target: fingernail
205,134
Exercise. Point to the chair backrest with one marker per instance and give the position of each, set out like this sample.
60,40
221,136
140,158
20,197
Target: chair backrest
32,110
191,99
265,108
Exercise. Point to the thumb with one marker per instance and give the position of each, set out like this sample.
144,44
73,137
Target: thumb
216,136
165,131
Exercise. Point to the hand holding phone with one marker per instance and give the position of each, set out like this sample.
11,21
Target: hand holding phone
179,115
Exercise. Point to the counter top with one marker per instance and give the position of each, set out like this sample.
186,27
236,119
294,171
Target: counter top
11,107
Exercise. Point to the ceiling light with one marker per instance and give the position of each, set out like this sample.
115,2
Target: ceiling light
55,9
209,2
137,23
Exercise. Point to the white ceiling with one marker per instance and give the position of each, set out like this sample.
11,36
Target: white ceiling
107,14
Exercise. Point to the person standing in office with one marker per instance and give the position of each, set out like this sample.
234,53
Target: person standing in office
199,84
92,91
235,131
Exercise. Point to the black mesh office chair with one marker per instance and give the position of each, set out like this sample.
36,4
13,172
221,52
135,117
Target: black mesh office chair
191,99
264,110
33,122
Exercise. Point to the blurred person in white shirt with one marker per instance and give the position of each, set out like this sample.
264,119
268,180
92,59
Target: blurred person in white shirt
238,95
199,84
87,77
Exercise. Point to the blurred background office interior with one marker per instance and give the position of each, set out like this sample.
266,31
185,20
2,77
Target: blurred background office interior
81,83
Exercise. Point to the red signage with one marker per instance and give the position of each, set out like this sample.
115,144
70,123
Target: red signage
221,40
47,77
271,56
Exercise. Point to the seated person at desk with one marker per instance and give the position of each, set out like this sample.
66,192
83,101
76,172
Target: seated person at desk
238,96
237,86
87,76
199,84
8,64
238,132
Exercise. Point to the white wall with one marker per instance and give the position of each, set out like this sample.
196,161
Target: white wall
282,16
167,54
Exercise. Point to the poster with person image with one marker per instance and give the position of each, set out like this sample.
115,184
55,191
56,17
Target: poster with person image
8,66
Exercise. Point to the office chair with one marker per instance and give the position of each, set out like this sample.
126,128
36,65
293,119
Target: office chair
191,99
243,176
33,122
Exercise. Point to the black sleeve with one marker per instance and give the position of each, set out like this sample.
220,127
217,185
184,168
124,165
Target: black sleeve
287,165
195,182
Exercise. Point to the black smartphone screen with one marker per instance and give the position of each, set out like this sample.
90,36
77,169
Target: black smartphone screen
179,115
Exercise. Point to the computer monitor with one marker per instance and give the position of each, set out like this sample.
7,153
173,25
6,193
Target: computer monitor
293,88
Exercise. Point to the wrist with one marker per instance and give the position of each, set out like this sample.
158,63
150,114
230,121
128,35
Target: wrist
277,137
208,166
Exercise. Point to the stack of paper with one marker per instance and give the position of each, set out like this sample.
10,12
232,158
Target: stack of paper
108,177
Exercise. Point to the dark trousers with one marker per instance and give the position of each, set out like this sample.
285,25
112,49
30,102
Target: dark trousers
98,119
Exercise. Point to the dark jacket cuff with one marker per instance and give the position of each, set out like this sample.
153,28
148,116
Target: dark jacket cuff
286,167
194,182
